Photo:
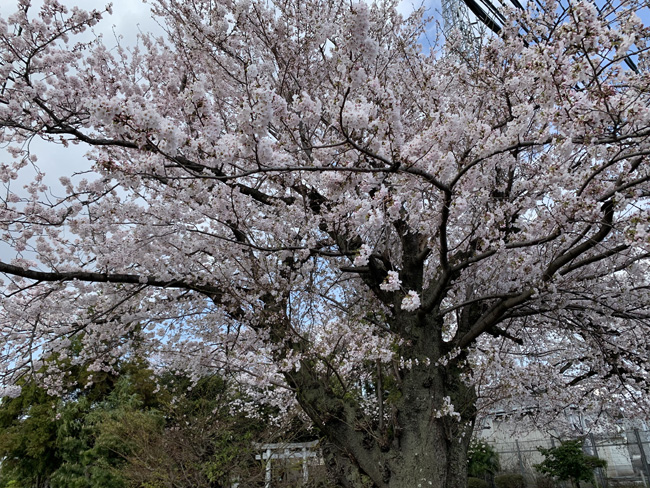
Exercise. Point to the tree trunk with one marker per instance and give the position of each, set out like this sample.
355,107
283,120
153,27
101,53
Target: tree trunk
436,463
422,445
423,442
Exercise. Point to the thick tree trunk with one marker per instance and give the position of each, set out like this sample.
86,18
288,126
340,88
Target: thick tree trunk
441,466
421,445
432,453
423,441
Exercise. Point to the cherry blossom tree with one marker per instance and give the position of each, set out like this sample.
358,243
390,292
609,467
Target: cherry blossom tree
294,194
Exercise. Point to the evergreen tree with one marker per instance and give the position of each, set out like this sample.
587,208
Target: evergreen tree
129,429
568,462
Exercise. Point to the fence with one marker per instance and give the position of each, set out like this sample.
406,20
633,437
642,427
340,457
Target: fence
627,454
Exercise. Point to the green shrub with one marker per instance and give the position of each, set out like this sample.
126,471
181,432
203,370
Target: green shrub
510,480
568,462
544,482
482,460
477,483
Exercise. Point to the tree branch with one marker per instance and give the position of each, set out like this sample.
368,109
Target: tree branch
570,255
593,259
118,278
491,317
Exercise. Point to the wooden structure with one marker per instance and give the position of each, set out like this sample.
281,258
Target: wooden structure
299,451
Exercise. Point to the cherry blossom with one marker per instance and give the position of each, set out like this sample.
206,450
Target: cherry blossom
299,197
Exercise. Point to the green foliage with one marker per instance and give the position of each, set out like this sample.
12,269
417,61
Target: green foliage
50,441
92,456
28,440
510,480
131,429
568,462
477,483
200,444
544,482
482,459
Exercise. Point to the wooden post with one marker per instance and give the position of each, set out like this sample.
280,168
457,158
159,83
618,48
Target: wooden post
267,478
305,471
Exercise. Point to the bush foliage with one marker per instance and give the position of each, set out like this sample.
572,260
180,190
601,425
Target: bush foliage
477,483
482,460
128,429
510,480
568,462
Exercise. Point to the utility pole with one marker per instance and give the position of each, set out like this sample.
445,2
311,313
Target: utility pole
463,27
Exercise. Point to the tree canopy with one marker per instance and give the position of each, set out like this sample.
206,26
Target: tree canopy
297,195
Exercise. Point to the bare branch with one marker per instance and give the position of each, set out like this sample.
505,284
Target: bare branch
118,278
